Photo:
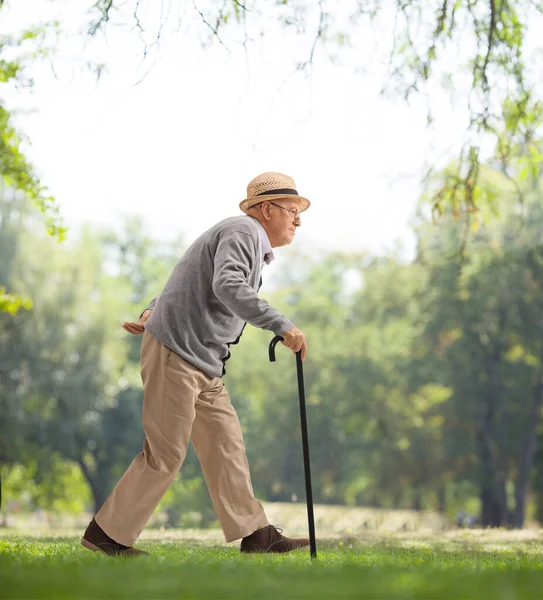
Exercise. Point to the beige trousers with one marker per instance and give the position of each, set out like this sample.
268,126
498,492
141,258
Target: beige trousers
182,403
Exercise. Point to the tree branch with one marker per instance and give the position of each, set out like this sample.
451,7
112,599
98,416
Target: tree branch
136,17
319,31
491,31
242,6
104,6
318,36
215,29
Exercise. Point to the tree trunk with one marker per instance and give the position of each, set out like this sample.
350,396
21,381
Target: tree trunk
417,499
492,481
527,456
98,496
494,506
441,499
492,431
493,496
3,513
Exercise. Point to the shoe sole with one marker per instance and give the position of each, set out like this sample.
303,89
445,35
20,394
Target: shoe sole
91,546
94,548
273,551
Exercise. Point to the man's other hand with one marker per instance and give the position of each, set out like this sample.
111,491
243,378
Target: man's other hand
295,340
137,328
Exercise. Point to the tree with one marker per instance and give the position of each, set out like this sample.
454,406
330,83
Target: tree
68,385
485,331
16,172
426,45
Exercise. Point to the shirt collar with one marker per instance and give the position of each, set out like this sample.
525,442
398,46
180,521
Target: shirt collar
267,251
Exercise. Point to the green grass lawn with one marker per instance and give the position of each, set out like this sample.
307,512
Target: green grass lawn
455,565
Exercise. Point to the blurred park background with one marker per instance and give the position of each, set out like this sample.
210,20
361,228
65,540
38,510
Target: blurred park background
419,288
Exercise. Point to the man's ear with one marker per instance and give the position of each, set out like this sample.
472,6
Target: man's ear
266,210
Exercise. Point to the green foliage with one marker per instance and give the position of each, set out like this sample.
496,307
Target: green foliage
11,304
73,390
476,47
61,488
188,503
16,172
15,169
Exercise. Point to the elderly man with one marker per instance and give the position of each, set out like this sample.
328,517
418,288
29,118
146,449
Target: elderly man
204,307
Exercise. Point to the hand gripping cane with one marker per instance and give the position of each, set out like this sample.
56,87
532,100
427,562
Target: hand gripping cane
305,443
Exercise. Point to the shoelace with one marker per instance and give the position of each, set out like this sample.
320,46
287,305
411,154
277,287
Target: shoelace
278,531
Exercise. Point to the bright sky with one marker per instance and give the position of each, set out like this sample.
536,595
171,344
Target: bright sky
180,147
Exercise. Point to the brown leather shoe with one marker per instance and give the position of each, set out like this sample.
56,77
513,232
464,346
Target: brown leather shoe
269,539
96,539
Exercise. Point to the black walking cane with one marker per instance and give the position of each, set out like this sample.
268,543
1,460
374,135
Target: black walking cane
305,443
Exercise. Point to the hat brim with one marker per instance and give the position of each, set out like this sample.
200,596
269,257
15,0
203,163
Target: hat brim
246,204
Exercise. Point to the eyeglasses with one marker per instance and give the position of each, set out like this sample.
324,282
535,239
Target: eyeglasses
295,213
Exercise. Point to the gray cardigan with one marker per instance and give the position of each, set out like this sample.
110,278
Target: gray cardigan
212,293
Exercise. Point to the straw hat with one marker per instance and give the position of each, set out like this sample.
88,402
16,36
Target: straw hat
272,186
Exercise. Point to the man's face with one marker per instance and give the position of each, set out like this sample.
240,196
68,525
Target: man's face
282,224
